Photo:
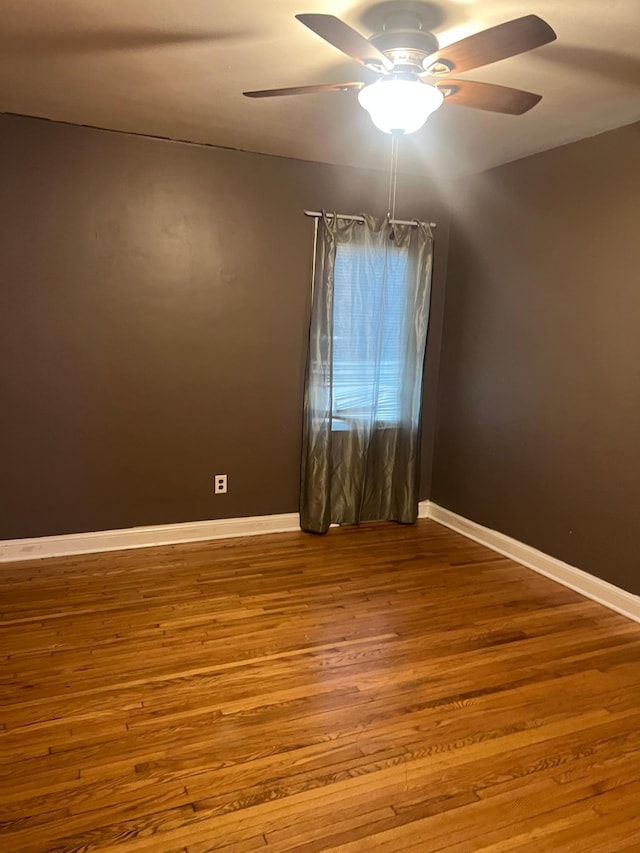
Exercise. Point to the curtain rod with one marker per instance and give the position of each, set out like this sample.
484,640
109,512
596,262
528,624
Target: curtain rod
317,214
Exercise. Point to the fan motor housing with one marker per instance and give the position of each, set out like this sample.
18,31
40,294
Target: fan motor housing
405,47
418,40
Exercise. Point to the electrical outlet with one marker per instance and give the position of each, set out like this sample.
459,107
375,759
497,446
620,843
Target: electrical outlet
220,484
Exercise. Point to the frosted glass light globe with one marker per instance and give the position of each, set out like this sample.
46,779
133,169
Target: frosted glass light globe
400,106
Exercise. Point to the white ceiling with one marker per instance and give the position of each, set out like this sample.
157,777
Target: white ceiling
177,68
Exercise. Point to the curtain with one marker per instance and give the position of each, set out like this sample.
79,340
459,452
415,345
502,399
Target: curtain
363,386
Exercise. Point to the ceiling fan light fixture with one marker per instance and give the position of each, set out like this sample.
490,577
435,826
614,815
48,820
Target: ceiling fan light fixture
400,106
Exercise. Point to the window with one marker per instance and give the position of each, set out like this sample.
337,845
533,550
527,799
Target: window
369,335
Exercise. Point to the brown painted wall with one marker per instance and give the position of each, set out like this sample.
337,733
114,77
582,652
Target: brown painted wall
153,320
539,409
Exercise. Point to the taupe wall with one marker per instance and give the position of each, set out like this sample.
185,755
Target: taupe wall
539,409
153,319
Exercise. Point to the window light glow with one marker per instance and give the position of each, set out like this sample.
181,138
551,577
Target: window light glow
400,106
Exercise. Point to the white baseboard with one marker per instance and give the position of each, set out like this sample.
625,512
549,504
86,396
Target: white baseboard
144,537
225,528
592,587
424,508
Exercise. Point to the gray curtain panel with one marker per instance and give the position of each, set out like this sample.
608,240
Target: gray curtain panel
370,313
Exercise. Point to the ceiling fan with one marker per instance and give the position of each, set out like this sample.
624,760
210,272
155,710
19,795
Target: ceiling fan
404,56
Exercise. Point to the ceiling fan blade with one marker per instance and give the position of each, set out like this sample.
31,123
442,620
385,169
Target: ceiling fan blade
488,96
490,45
346,39
303,90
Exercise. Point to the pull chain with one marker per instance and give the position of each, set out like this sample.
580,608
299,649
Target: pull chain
393,176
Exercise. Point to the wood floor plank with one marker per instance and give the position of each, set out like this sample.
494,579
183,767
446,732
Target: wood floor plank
381,688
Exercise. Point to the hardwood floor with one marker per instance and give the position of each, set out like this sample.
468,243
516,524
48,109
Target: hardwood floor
383,688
